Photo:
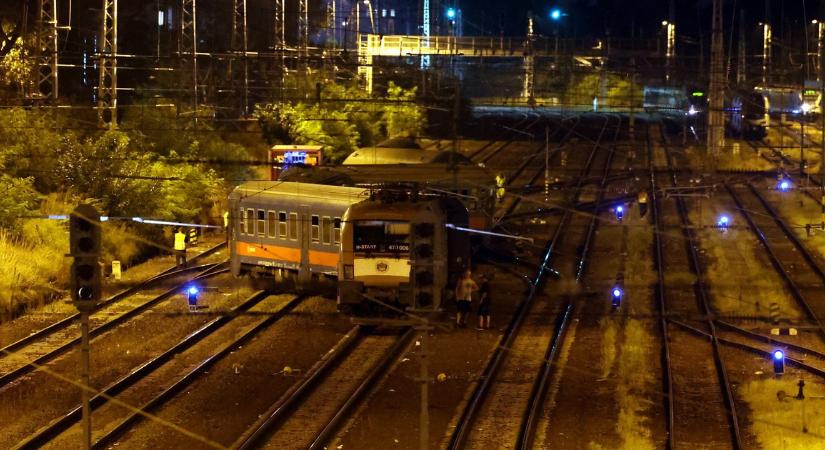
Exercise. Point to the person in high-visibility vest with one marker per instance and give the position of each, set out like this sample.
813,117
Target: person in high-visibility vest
180,248
500,181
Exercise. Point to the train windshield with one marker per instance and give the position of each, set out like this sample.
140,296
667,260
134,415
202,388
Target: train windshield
378,236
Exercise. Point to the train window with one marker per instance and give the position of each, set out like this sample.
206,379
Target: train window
261,222
293,226
250,221
243,222
270,223
315,229
282,224
326,230
336,230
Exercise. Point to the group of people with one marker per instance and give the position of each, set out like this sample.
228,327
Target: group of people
464,290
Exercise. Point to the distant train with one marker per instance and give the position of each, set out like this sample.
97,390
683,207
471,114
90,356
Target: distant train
674,101
791,101
401,254
288,231
746,115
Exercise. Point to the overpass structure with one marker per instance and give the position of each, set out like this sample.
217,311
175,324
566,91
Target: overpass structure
585,53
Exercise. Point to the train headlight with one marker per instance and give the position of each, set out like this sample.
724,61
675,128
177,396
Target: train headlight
692,111
806,108
349,272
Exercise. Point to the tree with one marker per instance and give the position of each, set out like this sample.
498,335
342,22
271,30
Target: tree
404,117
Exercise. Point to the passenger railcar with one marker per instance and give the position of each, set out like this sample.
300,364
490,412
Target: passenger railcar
283,229
402,254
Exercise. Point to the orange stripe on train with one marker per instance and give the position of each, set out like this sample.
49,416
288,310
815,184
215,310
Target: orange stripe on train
280,253
269,251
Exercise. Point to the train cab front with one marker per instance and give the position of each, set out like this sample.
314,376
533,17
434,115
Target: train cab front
375,267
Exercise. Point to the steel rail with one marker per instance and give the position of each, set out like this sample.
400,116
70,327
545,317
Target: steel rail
775,262
65,322
170,392
287,404
368,384
468,415
538,391
770,339
701,293
661,303
756,350
803,250
32,365
53,429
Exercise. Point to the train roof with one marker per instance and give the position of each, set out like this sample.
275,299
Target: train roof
307,191
438,175
402,155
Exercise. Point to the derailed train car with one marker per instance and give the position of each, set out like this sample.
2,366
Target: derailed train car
401,254
287,232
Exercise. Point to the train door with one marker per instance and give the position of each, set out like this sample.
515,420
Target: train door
304,218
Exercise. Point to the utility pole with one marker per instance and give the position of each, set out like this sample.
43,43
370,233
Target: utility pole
43,84
85,248
767,37
716,115
529,65
741,68
670,30
188,51
239,43
424,381
107,83
821,75
279,44
546,163
303,31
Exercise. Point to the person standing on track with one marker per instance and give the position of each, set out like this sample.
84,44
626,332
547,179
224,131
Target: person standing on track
484,303
464,297
180,248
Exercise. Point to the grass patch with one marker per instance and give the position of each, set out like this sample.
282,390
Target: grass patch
635,381
778,424
31,273
610,331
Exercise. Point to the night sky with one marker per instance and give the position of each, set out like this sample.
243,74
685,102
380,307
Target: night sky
624,18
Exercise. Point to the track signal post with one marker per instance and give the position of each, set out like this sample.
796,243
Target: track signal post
85,247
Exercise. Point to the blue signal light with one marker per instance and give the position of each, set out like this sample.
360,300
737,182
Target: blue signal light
193,290
784,185
778,355
451,13
723,222
617,292
619,209
555,14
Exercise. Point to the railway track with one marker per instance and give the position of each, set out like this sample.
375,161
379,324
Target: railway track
799,269
163,275
691,381
26,355
309,414
513,354
146,373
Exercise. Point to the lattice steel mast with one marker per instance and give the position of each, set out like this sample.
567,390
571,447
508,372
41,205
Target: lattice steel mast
44,81
240,43
188,51
716,115
107,82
